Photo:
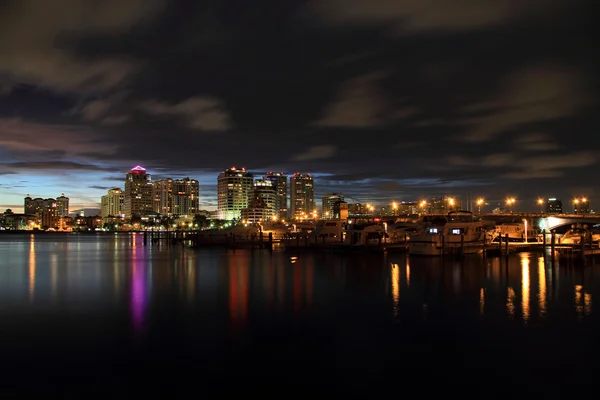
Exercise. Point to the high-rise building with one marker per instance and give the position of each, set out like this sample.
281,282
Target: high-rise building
554,206
112,203
62,205
279,181
137,198
176,196
264,189
46,211
302,196
234,188
328,205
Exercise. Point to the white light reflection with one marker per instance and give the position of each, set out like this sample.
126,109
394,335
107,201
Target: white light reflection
542,291
53,275
525,286
396,290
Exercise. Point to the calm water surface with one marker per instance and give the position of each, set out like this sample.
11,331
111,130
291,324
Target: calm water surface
104,314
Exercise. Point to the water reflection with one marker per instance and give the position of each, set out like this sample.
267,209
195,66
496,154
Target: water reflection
395,290
407,273
587,303
138,287
510,302
481,301
238,290
525,286
542,286
31,268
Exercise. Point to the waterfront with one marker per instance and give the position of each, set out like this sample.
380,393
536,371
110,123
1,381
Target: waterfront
105,314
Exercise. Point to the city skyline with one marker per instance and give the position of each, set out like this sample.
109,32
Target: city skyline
387,102
469,200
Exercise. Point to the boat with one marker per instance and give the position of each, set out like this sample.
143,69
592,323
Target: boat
518,232
328,231
579,231
460,232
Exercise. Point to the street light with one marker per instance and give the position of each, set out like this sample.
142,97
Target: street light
575,204
510,202
479,203
395,207
422,205
540,202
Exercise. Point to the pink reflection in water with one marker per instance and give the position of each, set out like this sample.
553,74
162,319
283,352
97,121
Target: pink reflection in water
139,295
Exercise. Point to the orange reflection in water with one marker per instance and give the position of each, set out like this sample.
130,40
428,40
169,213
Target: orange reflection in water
238,290
542,283
396,290
587,303
31,268
297,282
309,276
481,301
281,287
407,273
510,302
525,286
578,300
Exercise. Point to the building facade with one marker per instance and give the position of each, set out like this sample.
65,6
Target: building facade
234,190
264,190
554,206
302,196
62,204
279,182
178,197
111,204
137,198
328,205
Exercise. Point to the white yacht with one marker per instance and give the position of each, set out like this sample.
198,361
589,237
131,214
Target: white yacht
328,231
520,232
578,231
459,232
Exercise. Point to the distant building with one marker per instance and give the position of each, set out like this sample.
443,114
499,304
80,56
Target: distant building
258,211
444,205
112,203
62,205
302,196
234,190
328,205
179,197
45,210
137,198
554,206
264,189
279,181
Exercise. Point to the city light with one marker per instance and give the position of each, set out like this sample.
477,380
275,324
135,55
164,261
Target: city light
479,203
510,201
540,202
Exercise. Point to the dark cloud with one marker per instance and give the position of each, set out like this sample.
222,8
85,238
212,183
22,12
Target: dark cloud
100,187
381,99
53,166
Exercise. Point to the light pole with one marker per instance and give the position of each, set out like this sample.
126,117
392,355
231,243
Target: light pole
575,204
540,202
479,204
510,202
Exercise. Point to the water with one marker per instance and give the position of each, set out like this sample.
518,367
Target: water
103,314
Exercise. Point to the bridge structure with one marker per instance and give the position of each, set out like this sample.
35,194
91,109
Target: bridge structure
544,221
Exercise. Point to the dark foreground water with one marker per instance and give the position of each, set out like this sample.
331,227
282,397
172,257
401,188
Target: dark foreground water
104,315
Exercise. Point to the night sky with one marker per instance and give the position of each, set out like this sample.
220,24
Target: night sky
381,99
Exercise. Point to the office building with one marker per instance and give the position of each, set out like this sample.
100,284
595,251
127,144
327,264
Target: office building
279,181
234,188
176,197
111,204
328,205
137,198
62,205
554,206
302,196
264,190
